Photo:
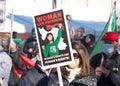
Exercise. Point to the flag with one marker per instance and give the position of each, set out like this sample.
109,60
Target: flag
110,26
113,22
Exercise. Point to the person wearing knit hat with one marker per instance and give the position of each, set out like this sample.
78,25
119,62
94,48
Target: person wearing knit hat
107,63
19,41
16,38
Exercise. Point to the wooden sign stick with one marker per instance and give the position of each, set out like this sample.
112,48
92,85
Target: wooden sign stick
59,76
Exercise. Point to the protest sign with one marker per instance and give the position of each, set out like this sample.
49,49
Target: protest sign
53,39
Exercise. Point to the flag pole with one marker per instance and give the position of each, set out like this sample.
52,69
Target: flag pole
54,4
113,18
12,19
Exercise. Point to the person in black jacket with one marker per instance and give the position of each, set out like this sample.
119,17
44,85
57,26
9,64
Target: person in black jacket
79,73
17,63
89,42
30,45
35,76
107,63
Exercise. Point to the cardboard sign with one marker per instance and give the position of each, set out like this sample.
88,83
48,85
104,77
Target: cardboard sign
53,39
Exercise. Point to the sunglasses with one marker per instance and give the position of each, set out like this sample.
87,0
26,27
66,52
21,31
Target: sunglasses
76,55
79,31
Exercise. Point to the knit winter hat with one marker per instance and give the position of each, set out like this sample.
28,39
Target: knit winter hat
19,41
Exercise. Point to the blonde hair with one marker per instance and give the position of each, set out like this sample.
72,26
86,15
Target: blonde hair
5,37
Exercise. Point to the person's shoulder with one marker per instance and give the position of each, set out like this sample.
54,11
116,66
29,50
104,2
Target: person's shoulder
5,56
26,78
118,58
118,55
88,80
29,39
33,71
53,71
92,79
28,73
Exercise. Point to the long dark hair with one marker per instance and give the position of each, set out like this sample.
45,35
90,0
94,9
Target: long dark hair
84,60
46,39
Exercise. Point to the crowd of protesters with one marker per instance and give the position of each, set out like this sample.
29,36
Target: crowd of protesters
103,69
88,40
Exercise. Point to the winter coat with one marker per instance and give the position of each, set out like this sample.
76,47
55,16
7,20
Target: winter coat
33,77
5,67
113,65
30,43
19,64
85,81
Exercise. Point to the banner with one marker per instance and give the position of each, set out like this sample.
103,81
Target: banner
53,39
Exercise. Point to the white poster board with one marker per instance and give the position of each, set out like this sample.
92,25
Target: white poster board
53,39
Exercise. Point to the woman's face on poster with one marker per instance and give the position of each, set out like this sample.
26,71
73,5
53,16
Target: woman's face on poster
50,37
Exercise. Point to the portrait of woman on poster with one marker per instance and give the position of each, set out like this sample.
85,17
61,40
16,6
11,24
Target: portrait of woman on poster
50,47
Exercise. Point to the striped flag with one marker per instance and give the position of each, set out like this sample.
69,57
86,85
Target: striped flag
110,26
113,22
